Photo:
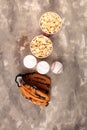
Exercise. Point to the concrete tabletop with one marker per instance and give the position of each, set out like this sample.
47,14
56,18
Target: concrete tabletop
19,23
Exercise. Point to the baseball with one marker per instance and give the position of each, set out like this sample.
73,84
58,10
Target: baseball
57,67
43,67
29,61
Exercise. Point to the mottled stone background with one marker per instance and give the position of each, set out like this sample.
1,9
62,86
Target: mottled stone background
68,106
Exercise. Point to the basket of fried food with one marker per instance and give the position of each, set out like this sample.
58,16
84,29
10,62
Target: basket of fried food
35,87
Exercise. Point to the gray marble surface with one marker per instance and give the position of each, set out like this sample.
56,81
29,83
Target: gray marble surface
68,106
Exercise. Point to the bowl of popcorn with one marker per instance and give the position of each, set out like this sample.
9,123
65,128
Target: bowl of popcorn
41,46
50,23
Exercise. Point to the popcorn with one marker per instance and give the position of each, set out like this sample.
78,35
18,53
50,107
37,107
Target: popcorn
50,22
41,46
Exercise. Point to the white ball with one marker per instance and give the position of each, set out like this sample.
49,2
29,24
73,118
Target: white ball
29,61
43,67
57,67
